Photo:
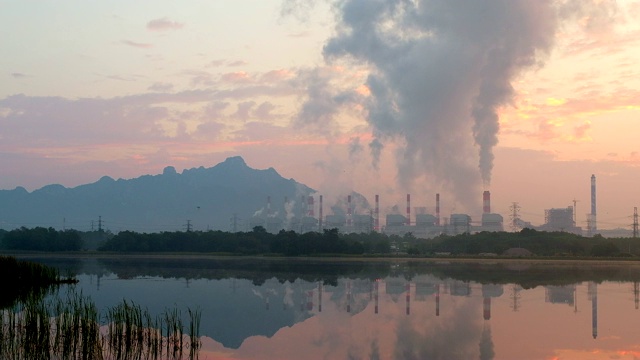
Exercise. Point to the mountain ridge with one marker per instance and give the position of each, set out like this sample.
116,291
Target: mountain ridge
206,198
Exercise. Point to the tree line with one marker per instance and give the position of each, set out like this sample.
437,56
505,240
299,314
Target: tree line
329,241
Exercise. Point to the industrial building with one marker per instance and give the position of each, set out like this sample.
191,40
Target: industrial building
422,224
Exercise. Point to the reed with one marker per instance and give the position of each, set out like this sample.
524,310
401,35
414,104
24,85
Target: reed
70,329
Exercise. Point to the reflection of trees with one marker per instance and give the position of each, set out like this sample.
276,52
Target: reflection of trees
258,270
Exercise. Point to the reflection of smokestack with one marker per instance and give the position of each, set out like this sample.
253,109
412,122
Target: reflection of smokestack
594,226
320,215
310,207
349,214
486,202
408,209
486,307
349,296
408,290
320,291
593,289
438,209
438,300
310,300
376,296
377,214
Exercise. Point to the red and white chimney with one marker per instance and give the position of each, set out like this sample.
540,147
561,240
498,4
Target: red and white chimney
349,214
320,214
377,214
486,202
408,209
310,207
268,205
437,209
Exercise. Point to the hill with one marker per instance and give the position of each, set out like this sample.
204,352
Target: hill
208,198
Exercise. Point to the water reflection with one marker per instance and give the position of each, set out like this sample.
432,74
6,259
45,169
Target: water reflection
265,309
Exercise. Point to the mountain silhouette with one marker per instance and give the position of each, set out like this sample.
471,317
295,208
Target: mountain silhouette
224,197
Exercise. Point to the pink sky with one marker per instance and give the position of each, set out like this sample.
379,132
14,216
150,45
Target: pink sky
125,89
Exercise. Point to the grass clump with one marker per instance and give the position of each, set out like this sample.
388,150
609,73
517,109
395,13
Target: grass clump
70,329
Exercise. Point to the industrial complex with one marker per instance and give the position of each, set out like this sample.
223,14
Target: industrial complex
420,223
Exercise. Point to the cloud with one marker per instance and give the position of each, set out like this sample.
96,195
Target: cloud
237,63
137,44
263,111
164,24
17,75
161,87
237,77
244,108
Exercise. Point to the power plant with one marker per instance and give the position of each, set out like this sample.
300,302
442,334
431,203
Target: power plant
421,223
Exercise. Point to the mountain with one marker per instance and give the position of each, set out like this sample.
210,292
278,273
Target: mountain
206,198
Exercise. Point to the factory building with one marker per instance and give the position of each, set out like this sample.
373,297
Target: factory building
560,219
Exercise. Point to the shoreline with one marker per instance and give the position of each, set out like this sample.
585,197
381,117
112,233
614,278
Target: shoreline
187,256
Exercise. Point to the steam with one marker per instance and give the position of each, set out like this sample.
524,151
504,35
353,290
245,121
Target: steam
438,71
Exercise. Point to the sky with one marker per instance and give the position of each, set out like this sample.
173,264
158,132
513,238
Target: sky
526,99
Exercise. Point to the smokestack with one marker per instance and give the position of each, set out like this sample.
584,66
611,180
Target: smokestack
593,224
437,209
310,207
408,209
268,205
377,214
486,202
349,214
320,215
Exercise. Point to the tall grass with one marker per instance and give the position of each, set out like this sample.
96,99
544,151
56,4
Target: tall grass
70,329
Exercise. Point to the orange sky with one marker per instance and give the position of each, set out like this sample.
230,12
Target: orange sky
127,89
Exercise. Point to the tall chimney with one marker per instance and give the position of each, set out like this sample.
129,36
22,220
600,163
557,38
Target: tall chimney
349,214
320,215
486,202
593,222
377,214
408,209
437,209
268,205
310,207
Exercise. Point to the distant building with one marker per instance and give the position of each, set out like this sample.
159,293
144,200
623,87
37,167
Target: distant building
560,220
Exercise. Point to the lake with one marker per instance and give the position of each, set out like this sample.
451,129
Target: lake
256,308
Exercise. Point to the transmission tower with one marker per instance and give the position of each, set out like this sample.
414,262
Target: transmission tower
635,222
234,223
515,216
188,226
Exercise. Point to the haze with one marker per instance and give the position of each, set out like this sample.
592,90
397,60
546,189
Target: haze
525,99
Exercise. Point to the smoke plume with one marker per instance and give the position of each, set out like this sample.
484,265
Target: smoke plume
438,70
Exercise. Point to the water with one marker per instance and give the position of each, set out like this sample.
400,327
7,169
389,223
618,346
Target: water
360,309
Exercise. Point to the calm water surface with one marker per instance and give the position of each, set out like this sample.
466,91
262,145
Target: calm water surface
312,309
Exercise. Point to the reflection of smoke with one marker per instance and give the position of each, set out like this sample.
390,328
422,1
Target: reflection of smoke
375,350
438,72
454,339
486,344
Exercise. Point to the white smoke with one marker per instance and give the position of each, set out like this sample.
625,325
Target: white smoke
438,71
